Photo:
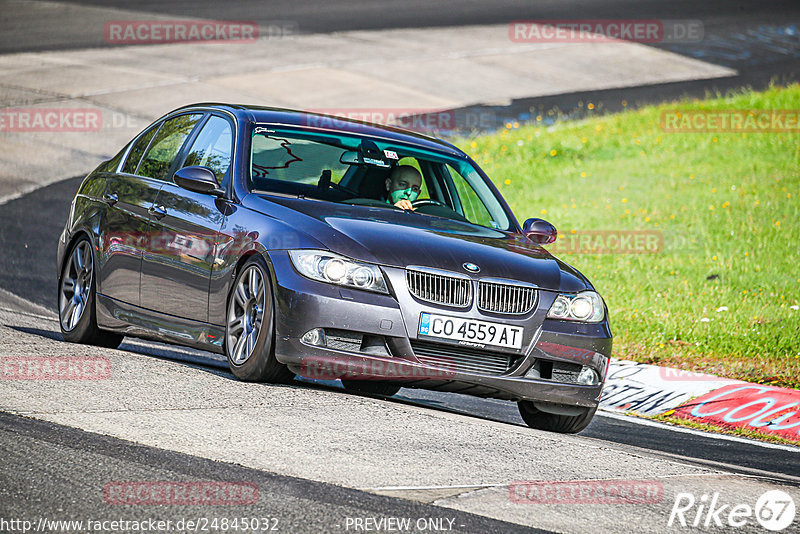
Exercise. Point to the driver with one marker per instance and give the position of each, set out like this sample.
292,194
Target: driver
403,186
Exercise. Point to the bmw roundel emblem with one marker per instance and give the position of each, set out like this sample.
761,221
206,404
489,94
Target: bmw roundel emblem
471,267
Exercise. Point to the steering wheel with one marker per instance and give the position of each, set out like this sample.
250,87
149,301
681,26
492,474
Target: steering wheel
427,202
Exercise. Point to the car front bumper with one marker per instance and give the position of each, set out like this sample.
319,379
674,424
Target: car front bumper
387,326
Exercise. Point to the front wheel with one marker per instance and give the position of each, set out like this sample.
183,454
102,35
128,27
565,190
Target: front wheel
564,424
76,299
250,329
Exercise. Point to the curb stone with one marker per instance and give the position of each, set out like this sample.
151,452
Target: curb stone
646,389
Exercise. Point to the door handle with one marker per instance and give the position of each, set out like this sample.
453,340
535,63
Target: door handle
157,211
110,198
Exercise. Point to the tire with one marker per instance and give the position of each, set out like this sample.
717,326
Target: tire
77,285
564,424
250,327
371,388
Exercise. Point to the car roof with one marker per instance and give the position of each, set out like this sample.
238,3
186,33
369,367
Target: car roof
324,122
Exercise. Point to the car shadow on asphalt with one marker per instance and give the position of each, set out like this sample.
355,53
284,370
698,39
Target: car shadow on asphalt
216,365
195,359
36,332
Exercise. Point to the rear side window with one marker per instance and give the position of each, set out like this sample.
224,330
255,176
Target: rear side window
213,146
166,145
112,164
137,150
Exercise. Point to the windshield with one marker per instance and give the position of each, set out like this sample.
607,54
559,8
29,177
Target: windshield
371,172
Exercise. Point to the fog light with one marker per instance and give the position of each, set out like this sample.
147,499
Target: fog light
588,377
534,372
315,336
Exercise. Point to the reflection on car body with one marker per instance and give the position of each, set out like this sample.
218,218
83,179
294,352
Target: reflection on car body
266,236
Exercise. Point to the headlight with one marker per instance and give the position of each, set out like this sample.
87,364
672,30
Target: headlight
586,307
334,269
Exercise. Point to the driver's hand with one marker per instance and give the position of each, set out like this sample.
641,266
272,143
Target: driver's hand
404,204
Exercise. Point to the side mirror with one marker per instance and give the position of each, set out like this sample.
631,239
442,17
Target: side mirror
200,180
539,231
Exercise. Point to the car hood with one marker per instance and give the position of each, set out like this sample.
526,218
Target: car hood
399,239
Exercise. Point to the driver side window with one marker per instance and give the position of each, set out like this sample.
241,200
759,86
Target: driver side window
471,205
213,147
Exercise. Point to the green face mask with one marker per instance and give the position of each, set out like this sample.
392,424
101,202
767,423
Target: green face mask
401,194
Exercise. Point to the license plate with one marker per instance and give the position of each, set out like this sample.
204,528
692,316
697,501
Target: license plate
470,331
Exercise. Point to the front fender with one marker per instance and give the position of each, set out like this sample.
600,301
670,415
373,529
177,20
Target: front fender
246,232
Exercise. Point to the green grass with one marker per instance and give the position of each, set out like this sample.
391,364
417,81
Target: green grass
726,203
741,432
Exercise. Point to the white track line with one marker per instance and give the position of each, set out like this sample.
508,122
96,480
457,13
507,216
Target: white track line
8,300
412,488
25,190
724,437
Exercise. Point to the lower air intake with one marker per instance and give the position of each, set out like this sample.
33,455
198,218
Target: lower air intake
462,359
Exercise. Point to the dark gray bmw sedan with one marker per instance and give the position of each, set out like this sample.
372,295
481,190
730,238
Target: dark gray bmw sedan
304,244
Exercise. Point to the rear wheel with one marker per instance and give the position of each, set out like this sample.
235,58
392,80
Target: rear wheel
76,299
565,424
370,387
250,330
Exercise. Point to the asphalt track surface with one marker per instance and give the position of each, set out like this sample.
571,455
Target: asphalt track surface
41,459
759,39
32,223
32,27
44,462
